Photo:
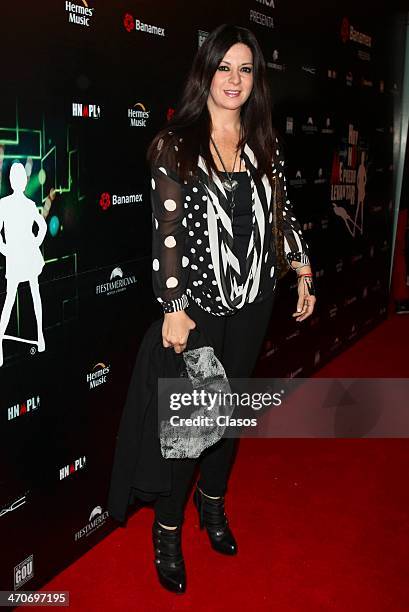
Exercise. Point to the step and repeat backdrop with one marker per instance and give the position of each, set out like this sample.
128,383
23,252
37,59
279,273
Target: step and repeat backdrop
85,84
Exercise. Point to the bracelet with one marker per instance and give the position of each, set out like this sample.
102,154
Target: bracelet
310,284
300,275
298,267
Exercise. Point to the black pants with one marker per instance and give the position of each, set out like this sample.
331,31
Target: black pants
237,341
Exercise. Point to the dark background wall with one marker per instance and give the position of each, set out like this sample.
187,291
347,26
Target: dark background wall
335,99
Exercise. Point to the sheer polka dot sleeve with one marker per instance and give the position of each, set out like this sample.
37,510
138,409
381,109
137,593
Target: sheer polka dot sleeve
295,246
169,228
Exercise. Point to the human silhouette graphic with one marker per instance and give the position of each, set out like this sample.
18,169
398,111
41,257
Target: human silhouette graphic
357,224
361,189
21,248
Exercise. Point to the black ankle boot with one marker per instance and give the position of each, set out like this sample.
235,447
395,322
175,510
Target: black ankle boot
213,517
169,561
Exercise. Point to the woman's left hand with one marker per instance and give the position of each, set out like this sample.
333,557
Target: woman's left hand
306,299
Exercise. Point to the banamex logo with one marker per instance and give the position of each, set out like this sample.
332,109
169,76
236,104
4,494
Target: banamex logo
131,24
105,201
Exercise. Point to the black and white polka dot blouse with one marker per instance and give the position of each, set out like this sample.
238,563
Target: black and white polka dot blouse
192,240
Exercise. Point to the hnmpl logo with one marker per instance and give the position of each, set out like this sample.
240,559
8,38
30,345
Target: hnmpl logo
26,407
86,111
77,464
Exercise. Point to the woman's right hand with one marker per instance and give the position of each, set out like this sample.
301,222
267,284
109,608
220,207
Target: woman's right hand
175,330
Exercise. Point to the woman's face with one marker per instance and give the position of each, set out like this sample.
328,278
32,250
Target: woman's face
233,80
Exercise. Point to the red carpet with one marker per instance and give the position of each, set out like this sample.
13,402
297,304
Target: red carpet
321,524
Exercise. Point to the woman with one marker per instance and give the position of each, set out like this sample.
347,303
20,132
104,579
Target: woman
214,169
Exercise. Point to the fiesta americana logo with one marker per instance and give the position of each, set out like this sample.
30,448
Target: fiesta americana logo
136,25
96,519
117,283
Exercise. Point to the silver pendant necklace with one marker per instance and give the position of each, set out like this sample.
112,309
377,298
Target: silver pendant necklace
229,184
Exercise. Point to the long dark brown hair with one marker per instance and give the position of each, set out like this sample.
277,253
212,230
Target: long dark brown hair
191,121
